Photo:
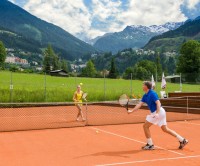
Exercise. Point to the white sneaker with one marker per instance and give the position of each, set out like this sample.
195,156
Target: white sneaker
183,143
129,111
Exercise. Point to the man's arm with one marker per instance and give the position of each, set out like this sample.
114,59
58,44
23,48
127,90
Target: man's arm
136,107
158,105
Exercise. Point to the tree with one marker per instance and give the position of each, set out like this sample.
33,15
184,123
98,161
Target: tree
158,65
113,71
89,70
64,66
55,62
51,60
171,65
189,60
143,70
128,72
2,54
141,73
47,61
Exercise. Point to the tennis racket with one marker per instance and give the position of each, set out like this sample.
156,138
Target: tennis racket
84,96
124,101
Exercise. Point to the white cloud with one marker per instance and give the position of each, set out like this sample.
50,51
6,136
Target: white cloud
103,16
103,9
92,33
145,12
71,15
191,4
106,11
13,1
75,17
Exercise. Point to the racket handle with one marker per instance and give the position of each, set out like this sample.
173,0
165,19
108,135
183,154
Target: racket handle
127,106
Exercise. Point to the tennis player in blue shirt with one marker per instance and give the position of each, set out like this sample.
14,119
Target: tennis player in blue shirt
157,116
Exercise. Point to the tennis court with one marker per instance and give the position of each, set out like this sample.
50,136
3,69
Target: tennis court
109,136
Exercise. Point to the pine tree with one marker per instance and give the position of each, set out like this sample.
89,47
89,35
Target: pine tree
113,70
47,60
2,54
55,62
158,65
89,70
51,60
64,66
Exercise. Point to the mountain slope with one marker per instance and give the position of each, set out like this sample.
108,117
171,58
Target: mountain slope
32,28
132,37
172,40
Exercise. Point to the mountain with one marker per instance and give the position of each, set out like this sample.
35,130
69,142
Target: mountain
30,31
135,36
172,40
93,41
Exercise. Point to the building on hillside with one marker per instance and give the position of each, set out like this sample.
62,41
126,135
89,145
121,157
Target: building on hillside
60,73
76,68
10,49
172,54
16,60
82,66
10,59
39,68
93,55
144,52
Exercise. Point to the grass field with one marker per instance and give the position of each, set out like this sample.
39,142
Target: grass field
38,88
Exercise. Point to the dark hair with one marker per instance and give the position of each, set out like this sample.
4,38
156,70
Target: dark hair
148,84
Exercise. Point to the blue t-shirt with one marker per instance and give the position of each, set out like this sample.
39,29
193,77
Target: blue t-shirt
150,99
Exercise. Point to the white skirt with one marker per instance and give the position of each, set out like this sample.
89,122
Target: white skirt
158,121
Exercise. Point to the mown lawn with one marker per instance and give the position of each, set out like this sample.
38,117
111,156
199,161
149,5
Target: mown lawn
38,88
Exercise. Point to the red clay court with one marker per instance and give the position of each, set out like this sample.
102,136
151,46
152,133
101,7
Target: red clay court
95,142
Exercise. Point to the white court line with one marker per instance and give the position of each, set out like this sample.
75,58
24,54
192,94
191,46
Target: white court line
144,161
135,140
191,123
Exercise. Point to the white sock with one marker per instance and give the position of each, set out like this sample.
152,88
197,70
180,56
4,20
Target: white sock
179,138
149,141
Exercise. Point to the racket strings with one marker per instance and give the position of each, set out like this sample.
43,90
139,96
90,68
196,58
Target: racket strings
123,100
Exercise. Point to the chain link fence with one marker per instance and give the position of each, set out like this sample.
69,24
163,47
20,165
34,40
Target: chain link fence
21,87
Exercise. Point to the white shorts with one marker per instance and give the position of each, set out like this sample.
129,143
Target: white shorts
158,121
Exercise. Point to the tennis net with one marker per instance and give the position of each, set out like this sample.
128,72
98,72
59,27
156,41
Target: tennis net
31,116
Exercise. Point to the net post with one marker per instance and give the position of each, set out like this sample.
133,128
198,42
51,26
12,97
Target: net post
187,107
86,113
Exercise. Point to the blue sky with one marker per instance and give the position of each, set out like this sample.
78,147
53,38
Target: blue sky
92,18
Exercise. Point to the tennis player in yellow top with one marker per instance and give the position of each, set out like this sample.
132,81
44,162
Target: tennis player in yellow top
77,98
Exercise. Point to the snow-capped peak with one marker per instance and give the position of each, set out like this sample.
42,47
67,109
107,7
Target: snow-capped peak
157,28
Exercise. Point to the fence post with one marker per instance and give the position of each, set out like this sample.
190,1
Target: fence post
11,88
131,83
104,86
45,87
75,79
156,80
180,83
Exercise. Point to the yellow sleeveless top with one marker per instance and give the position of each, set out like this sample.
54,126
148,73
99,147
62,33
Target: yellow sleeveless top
79,96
